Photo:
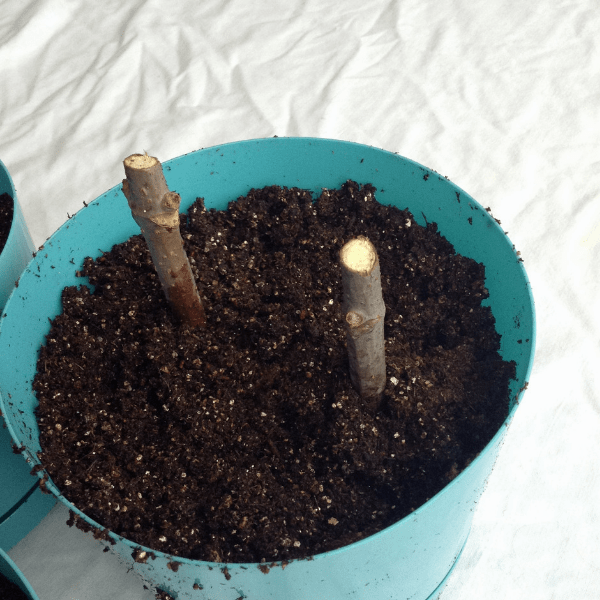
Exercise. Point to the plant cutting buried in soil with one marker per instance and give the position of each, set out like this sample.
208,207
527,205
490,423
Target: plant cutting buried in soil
6,217
245,441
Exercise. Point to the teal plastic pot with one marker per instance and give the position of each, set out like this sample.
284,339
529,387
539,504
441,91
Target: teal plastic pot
22,505
410,559
12,573
19,247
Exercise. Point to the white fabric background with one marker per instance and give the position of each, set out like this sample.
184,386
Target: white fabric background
501,96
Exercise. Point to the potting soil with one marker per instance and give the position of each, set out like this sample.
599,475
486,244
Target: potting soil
6,217
10,590
246,442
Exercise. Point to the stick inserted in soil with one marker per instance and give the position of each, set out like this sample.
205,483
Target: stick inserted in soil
364,311
156,210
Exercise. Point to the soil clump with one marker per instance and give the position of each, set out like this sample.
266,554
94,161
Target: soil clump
246,442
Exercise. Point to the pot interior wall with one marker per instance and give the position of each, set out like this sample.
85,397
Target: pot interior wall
411,551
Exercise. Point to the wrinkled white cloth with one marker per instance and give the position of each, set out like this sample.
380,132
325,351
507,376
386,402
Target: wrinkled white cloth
503,97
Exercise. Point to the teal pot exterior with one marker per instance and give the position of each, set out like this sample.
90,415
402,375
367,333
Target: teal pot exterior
10,570
22,505
409,559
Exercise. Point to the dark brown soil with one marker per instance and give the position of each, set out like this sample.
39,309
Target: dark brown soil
6,217
245,442
9,590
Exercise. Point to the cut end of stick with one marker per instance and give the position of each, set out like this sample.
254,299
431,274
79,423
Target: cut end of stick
359,255
140,161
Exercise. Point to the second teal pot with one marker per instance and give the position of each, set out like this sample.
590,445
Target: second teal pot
22,504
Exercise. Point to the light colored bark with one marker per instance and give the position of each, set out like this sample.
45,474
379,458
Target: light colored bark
364,312
156,210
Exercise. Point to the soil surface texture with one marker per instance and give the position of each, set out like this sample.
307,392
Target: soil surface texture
245,442
9,590
6,217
